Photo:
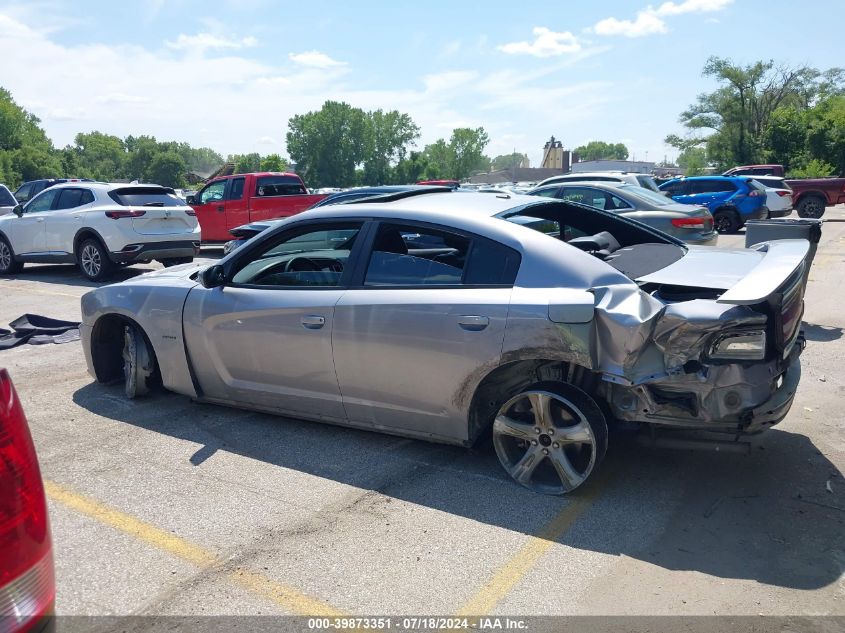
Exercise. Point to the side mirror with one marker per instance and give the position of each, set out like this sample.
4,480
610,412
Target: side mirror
18,210
191,200
213,276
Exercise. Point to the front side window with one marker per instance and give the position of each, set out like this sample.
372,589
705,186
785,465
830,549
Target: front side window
213,192
712,186
72,198
23,193
310,257
279,186
41,202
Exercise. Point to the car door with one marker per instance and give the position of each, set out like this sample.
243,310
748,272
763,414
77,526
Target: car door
28,233
66,218
420,327
237,207
263,339
210,206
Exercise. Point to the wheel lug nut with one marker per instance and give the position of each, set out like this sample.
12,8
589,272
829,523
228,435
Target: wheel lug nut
537,430
551,431
555,445
545,451
533,442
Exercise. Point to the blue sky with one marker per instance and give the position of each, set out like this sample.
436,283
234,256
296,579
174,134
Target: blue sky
229,74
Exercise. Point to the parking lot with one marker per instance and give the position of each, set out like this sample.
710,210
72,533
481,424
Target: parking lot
161,506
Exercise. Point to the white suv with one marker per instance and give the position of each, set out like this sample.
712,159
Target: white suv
99,226
641,180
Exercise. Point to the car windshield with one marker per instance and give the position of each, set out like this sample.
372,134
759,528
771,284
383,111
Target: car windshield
6,198
146,197
646,194
647,182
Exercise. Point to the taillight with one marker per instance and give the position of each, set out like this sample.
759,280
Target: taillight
783,193
190,212
754,193
688,223
116,215
27,585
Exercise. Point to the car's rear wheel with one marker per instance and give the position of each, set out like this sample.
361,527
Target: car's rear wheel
550,437
811,207
93,260
8,265
139,363
725,221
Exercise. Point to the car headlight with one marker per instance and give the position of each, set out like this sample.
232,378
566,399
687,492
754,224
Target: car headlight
740,345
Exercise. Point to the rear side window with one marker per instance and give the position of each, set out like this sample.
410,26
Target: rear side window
711,186
24,193
146,197
676,188
491,264
71,198
279,186
236,190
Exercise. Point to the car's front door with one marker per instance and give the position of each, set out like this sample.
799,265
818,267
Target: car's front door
237,204
28,233
421,328
210,206
265,337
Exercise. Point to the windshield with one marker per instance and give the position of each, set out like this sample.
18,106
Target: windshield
647,194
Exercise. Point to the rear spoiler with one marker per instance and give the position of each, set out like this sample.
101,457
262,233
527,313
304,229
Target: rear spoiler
783,258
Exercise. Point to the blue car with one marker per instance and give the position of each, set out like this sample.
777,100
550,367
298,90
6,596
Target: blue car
732,200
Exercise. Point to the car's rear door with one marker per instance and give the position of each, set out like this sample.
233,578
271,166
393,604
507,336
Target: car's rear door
264,338
419,328
66,218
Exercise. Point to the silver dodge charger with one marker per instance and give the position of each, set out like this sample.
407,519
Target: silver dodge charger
454,317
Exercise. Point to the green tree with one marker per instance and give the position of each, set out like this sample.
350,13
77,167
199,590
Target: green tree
246,163
25,151
466,149
599,150
507,161
166,169
411,169
327,145
438,161
273,162
388,136
101,156
693,160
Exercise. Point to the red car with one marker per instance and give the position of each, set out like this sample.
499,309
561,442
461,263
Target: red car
27,580
454,184
231,201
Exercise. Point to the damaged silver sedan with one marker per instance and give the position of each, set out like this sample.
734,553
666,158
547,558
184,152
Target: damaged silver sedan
454,317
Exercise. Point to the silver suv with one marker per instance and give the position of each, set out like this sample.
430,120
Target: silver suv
641,180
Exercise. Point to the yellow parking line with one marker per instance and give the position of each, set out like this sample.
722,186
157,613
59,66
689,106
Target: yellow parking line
515,569
285,596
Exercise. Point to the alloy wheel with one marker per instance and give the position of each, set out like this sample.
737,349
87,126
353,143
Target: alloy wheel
5,256
91,261
545,442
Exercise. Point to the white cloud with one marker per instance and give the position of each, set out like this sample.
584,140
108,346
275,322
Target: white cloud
650,21
266,140
202,42
315,59
121,98
547,43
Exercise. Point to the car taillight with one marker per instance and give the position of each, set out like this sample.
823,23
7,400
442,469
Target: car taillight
688,223
754,193
190,212
116,215
783,193
27,585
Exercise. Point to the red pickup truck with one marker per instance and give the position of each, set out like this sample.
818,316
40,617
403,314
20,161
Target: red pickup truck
230,201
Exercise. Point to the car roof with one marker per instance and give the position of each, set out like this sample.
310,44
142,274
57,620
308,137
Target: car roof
106,186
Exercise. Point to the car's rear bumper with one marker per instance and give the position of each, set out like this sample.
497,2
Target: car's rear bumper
780,213
156,250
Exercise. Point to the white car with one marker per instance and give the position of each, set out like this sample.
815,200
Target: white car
7,201
641,180
99,226
778,195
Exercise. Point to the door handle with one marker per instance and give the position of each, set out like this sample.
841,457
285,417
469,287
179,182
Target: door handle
220,208
473,322
313,321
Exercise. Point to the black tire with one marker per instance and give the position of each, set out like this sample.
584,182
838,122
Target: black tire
811,207
555,451
140,368
726,221
93,260
175,261
8,265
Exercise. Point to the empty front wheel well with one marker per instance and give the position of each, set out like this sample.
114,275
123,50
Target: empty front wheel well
507,380
107,339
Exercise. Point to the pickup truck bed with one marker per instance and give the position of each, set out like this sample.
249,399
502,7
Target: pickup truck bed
810,196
